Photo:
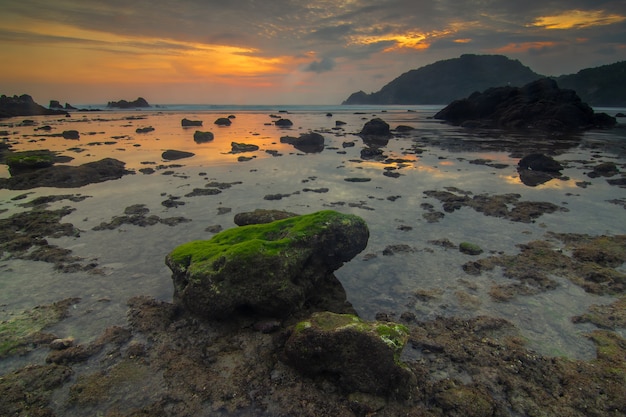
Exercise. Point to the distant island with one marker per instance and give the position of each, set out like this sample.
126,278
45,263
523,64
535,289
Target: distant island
123,104
445,81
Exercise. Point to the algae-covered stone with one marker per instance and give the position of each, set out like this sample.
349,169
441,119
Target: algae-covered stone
360,355
470,248
270,269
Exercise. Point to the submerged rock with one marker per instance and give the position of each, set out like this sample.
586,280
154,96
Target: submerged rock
358,355
307,142
268,269
64,176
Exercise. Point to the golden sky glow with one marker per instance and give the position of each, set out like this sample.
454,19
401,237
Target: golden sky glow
523,47
284,51
578,19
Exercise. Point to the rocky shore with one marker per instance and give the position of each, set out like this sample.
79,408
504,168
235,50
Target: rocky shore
262,320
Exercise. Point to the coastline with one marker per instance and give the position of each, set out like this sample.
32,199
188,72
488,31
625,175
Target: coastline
401,270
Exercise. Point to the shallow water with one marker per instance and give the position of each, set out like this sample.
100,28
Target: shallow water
431,157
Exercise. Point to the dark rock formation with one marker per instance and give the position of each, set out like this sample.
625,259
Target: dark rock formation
202,137
307,142
237,147
71,134
605,169
269,269
223,121
283,123
23,106
172,155
186,122
64,176
146,129
55,104
376,127
261,216
540,104
123,104
357,355
539,162
536,169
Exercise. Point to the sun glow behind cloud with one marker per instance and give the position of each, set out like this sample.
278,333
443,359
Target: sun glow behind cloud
578,19
78,55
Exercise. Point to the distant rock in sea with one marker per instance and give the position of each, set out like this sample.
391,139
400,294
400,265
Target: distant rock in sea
123,104
540,104
23,105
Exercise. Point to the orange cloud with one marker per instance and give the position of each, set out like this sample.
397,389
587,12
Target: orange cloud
49,52
465,40
524,47
578,19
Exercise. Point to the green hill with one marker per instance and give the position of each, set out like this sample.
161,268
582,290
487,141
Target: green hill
445,81
600,86
448,80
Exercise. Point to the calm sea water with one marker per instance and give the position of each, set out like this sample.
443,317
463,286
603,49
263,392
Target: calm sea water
430,157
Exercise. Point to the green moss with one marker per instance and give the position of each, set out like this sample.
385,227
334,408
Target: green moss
394,335
470,248
246,242
32,159
18,333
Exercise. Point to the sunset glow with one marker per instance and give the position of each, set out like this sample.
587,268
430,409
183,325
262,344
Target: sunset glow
316,52
578,19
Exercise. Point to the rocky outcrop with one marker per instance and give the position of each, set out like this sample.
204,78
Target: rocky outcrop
270,269
187,123
540,104
23,105
261,216
173,154
64,176
202,137
311,142
537,168
358,355
123,104
223,121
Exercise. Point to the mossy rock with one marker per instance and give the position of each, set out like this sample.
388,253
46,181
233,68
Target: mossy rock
470,248
202,137
269,269
19,162
357,355
24,331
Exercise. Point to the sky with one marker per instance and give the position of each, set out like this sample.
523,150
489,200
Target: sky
282,51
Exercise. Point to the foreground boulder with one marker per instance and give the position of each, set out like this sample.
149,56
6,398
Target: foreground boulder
268,269
357,355
540,104
187,123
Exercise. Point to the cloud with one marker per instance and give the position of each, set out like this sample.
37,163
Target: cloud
578,19
323,65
